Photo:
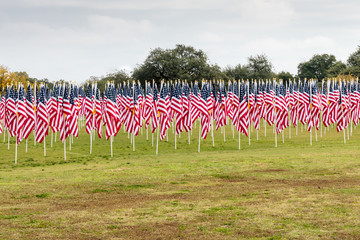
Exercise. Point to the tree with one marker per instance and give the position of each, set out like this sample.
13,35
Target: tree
337,69
284,75
237,72
117,77
182,62
8,78
354,63
317,67
260,67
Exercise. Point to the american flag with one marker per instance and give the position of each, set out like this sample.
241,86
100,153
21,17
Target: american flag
243,111
280,108
22,116
98,113
354,103
11,112
73,116
195,100
205,103
221,110
164,111
89,110
186,114
315,107
111,113
154,111
2,109
52,109
177,107
269,101
343,109
148,104
66,111
29,124
41,117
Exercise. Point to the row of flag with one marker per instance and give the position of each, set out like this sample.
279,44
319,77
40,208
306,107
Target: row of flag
24,110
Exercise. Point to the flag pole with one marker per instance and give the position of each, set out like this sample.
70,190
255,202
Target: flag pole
51,145
35,102
275,125
111,145
265,126
157,141
310,94
224,132
189,135
26,145
91,132
239,112
199,137
69,142
133,142
212,131
16,147
64,142
9,140
44,146
249,112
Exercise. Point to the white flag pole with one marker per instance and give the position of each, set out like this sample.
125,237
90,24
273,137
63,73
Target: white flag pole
212,131
111,145
90,141
16,147
157,141
199,137
64,142
248,83
44,146
189,135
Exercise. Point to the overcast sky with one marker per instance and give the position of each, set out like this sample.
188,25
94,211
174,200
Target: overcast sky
76,39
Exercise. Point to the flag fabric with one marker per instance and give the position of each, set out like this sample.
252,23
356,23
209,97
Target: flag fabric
22,115
41,117
30,110
89,110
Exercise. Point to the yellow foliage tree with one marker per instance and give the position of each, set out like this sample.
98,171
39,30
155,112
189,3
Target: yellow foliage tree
8,78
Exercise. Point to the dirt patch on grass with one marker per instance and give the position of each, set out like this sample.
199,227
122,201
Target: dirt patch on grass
270,170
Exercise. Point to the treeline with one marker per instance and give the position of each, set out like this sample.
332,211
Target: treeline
190,64
187,63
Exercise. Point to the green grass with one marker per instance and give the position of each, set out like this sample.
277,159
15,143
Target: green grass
294,191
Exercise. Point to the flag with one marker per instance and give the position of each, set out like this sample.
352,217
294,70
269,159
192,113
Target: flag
111,113
89,109
41,117
22,115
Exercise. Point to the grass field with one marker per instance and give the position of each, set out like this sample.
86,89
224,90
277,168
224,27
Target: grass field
295,191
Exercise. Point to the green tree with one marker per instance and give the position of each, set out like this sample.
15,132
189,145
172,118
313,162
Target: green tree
317,67
284,75
336,69
354,63
117,77
237,72
182,62
260,67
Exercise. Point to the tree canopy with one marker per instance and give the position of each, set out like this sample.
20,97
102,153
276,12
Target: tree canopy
182,62
260,67
317,67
